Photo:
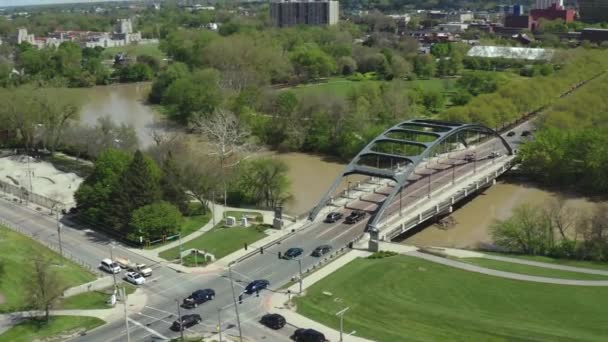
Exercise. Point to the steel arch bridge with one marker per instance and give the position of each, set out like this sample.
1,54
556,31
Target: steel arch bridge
402,148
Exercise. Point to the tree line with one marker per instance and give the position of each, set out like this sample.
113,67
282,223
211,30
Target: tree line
555,230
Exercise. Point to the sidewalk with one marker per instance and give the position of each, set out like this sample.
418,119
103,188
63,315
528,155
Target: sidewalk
277,302
135,301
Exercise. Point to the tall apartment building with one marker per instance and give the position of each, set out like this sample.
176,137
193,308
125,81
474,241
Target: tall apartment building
285,13
592,11
543,4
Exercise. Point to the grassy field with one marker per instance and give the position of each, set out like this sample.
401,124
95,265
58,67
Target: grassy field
219,241
403,296
196,220
565,262
338,86
434,84
531,270
134,50
16,252
92,300
33,330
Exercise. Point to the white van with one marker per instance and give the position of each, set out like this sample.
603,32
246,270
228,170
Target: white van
109,266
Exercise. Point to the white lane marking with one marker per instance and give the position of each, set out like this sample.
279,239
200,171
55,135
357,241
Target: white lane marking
154,319
244,275
161,311
341,234
152,331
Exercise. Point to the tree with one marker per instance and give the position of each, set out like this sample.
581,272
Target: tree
58,108
44,288
310,62
528,231
227,139
139,185
154,221
347,65
424,66
265,181
196,95
171,185
202,178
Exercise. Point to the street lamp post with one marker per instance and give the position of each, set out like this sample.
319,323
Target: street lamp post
179,318
400,200
348,190
59,235
454,173
219,323
112,262
124,300
213,206
179,236
429,189
236,307
300,265
341,315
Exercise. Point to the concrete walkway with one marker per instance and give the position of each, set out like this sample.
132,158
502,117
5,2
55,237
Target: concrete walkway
135,303
277,303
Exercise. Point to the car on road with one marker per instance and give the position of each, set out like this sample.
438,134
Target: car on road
198,297
355,216
469,157
525,133
135,278
308,335
494,154
273,321
292,253
257,285
109,266
186,322
321,250
510,134
333,217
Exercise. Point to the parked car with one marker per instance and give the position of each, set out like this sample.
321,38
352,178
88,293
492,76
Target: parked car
308,335
134,267
321,250
187,321
293,253
273,321
355,216
135,278
109,266
525,133
333,217
510,134
256,285
198,297
494,154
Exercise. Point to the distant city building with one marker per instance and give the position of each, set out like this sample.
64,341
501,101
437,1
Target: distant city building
553,12
286,13
593,11
460,17
452,27
518,21
24,37
518,9
437,15
543,4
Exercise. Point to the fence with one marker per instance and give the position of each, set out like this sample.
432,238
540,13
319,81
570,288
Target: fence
98,284
24,195
53,246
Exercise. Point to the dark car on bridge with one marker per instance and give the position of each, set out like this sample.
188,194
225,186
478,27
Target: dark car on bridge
525,133
469,157
355,216
333,217
198,297
321,250
273,321
256,286
308,335
187,321
292,253
510,134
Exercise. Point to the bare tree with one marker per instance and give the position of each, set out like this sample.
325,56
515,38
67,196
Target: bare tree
57,110
200,178
228,140
562,217
44,288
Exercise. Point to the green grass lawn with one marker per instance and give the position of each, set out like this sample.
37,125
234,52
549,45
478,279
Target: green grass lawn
16,253
33,330
434,84
219,241
338,86
404,298
92,300
564,262
134,50
531,270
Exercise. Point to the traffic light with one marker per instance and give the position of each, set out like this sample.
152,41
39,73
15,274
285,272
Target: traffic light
261,250
240,299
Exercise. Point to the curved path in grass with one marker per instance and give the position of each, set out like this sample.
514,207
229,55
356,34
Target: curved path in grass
545,265
516,276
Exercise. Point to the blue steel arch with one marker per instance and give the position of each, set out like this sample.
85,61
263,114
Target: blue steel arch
442,130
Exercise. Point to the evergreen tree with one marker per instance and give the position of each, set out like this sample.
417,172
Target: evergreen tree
171,185
138,186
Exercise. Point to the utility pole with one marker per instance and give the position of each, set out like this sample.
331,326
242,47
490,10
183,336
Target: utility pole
300,264
454,173
179,237
341,315
400,199
219,322
59,235
213,206
112,260
236,307
124,300
430,174
179,318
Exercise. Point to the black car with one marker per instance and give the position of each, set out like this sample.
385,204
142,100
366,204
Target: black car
198,297
333,217
510,134
273,321
186,322
321,250
257,285
355,216
525,133
292,253
308,335
469,157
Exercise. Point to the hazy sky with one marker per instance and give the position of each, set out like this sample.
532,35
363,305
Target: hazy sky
44,2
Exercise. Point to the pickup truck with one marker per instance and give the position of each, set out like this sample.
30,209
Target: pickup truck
134,267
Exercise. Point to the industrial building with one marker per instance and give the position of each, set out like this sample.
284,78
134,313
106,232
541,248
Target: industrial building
593,11
286,13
